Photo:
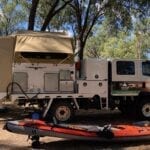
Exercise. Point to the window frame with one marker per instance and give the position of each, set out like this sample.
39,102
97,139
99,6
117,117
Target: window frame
125,66
145,74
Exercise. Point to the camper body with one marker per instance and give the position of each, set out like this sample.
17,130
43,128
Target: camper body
103,85
59,91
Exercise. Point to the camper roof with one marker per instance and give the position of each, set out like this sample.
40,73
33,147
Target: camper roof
43,42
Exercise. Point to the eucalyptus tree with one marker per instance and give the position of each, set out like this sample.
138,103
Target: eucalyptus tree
133,44
83,15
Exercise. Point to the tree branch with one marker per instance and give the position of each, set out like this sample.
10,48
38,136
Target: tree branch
52,12
49,16
91,26
62,7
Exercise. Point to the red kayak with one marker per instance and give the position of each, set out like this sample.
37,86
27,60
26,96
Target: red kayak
40,128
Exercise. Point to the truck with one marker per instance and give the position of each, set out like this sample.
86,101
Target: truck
38,68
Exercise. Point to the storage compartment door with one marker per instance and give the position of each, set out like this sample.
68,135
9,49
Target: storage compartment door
22,79
51,82
67,86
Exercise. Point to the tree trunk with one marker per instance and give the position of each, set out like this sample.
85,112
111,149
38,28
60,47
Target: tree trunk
79,54
79,49
32,14
46,21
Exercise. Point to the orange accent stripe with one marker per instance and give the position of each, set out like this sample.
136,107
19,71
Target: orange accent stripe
131,131
122,131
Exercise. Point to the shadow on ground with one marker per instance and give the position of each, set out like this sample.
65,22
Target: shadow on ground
90,145
13,112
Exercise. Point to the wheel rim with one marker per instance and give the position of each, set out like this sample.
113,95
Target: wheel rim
146,110
63,113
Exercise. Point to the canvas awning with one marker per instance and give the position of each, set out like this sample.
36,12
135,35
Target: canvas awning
6,60
43,42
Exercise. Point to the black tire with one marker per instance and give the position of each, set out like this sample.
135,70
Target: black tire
62,112
144,109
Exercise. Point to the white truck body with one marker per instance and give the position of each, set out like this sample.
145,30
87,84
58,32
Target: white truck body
56,82
51,80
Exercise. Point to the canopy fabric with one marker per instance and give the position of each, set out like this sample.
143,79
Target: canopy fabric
29,42
11,46
43,34
6,60
43,42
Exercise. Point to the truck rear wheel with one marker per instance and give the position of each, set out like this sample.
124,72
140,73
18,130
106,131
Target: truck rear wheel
62,111
144,109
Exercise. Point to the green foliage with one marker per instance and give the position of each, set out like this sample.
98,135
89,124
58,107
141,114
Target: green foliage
82,15
142,36
121,45
11,16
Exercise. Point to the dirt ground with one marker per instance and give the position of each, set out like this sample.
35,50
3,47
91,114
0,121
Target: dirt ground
11,141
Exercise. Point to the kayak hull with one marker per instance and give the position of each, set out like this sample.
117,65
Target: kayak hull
79,132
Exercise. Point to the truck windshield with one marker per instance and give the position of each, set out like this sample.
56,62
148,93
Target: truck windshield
146,68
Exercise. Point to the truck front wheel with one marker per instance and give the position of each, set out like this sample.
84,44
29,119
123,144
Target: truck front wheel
62,111
144,109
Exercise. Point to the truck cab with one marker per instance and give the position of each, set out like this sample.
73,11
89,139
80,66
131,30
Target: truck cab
130,86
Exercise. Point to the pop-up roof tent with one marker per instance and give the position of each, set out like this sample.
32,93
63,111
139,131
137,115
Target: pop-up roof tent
43,46
34,47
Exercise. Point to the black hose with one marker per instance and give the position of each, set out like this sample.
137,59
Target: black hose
11,85
21,89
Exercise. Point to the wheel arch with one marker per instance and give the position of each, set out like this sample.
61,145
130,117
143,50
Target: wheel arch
65,100
144,93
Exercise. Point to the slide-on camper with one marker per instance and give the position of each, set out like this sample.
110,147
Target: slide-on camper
39,68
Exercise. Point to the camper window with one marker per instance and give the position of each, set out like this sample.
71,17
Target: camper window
125,68
40,55
146,68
